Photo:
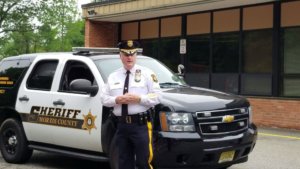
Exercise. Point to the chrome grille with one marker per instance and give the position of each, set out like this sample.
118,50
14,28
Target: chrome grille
216,122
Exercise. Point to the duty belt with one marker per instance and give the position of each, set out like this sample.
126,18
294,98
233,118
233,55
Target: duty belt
140,118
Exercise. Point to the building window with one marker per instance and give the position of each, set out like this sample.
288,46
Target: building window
198,52
256,76
150,48
169,53
291,61
227,82
226,53
257,51
256,84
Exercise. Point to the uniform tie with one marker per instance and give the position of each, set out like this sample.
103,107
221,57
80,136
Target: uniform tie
125,90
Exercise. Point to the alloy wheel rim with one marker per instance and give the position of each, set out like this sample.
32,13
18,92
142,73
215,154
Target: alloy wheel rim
10,141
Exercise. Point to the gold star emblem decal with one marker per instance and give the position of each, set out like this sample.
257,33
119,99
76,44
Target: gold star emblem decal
89,122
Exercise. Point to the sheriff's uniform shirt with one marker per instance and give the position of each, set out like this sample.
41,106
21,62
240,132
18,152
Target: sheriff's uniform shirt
142,82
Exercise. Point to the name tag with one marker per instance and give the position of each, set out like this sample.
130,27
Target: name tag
116,86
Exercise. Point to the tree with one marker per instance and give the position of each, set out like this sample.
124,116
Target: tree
15,13
29,26
58,14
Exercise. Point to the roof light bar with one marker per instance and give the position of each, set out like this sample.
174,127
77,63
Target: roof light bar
99,50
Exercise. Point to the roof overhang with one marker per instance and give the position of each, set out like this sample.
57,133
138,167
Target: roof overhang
90,10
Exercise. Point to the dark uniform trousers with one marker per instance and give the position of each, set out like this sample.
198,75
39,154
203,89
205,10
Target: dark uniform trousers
135,145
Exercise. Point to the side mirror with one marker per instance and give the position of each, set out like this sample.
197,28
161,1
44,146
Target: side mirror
83,85
181,70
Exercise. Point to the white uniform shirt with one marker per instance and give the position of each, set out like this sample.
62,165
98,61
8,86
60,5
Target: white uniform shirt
142,82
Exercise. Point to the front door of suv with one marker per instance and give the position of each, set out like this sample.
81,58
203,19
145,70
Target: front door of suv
79,122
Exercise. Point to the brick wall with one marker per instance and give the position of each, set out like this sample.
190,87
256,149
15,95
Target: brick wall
276,112
101,34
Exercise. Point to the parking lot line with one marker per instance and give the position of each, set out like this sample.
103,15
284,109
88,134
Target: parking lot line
277,135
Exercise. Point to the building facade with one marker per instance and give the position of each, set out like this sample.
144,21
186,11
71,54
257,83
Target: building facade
248,47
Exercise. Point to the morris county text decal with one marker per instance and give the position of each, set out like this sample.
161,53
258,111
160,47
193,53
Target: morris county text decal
60,117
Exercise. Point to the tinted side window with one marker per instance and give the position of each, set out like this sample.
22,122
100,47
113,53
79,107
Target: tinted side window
42,75
11,71
75,70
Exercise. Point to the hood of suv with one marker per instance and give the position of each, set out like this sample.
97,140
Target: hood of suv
192,99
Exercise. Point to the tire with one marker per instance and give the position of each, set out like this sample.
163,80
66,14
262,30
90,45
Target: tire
13,142
227,167
113,154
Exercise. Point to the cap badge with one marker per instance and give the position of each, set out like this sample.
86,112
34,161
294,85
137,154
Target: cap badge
130,43
137,76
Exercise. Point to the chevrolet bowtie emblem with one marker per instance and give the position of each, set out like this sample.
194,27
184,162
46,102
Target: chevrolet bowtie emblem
227,119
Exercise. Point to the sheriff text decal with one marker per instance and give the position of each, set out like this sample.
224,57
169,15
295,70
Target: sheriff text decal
60,117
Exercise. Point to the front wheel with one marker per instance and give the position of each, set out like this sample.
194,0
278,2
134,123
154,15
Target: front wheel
13,142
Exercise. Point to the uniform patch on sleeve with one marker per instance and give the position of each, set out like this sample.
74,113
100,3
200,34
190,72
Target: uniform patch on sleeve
151,95
154,78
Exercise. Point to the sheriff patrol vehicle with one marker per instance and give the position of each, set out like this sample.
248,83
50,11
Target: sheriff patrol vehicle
51,102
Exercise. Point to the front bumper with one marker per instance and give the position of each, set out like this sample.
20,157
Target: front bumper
189,150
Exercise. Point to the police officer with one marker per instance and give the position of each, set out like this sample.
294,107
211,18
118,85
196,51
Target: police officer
132,90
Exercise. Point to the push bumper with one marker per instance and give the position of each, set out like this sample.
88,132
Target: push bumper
189,150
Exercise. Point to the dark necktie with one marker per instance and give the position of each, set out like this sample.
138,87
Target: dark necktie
125,90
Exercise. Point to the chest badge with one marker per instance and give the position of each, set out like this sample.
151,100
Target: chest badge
137,76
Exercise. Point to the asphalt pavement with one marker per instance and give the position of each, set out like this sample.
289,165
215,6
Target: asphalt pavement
275,149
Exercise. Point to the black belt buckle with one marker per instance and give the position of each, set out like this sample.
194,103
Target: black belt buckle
128,120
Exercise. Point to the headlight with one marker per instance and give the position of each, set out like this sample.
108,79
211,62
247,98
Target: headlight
171,121
250,115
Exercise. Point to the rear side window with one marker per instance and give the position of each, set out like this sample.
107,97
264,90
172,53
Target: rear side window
11,71
42,75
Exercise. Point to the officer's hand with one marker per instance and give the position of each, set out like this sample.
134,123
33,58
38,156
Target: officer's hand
121,100
132,98
128,99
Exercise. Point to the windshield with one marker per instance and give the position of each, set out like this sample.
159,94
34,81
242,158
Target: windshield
165,76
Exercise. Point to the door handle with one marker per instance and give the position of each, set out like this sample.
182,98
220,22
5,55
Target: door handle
24,98
59,102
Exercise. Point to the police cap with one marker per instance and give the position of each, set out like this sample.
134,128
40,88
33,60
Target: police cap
128,47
